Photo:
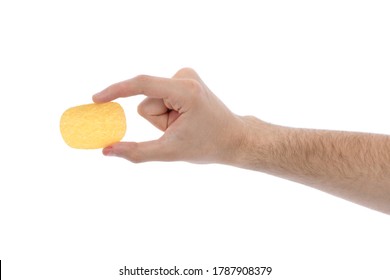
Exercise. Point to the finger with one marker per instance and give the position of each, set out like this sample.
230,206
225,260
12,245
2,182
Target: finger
140,152
150,86
155,111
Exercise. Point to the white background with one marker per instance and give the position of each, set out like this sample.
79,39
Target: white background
74,214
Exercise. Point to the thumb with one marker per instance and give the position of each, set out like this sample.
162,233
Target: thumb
155,150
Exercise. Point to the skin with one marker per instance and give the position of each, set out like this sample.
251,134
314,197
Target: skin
199,128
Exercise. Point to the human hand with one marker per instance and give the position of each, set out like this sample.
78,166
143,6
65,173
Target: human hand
197,126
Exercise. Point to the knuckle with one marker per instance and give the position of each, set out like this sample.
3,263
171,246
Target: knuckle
186,72
133,154
120,88
142,78
113,88
194,89
192,86
141,81
135,159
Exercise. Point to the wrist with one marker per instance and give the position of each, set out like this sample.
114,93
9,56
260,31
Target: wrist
256,140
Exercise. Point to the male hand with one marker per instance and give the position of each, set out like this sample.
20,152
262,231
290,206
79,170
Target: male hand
198,127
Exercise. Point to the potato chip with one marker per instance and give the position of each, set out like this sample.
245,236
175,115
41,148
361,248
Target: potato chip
93,126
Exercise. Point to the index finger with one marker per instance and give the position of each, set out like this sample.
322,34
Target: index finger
155,87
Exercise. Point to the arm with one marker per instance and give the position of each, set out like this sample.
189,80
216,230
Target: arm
199,128
354,166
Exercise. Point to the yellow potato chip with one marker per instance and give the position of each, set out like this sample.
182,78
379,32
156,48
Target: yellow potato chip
93,126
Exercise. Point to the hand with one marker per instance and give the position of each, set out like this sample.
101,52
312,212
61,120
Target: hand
198,127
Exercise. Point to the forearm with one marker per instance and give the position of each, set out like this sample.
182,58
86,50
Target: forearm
354,166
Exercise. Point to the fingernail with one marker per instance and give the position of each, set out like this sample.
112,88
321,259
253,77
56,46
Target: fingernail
96,95
108,151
